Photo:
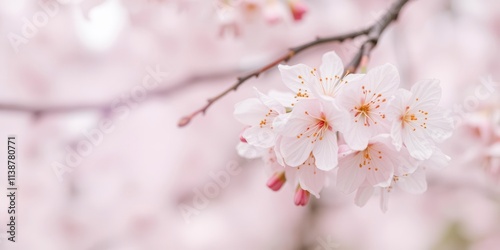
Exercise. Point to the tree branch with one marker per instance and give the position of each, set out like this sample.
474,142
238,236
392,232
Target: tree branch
38,111
361,58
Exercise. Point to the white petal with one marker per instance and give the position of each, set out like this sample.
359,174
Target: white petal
350,175
260,137
397,106
437,160
295,151
277,151
439,127
396,134
353,77
270,102
248,151
364,193
357,136
284,98
271,164
344,151
279,123
414,183
250,111
326,151
312,179
384,199
381,172
382,79
297,78
428,93
417,144
404,163
331,66
337,117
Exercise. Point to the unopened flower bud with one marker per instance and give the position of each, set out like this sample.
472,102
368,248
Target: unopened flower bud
301,197
298,9
276,181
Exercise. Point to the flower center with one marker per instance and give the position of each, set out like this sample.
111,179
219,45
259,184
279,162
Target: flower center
413,121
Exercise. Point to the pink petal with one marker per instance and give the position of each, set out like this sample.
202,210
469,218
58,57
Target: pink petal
248,151
297,78
414,183
382,79
364,193
326,151
311,178
417,144
270,102
357,136
250,111
350,175
428,93
331,66
260,137
384,199
295,151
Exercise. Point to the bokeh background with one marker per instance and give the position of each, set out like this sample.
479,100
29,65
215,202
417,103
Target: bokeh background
89,57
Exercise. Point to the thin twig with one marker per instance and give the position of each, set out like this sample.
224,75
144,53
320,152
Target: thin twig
37,110
373,34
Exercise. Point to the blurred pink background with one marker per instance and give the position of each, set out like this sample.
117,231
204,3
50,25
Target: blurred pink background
126,194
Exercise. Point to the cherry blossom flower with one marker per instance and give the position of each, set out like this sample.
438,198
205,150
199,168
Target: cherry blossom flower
366,100
409,178
418,121
311,128
332,120
375,164
307,82
259,114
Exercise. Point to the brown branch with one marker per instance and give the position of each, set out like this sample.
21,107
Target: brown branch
37,110
373,34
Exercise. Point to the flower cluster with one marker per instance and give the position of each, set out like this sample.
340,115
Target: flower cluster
377,136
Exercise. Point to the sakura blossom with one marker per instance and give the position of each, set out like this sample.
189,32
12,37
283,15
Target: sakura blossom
419,121
367,101
311,128
259,114
370,134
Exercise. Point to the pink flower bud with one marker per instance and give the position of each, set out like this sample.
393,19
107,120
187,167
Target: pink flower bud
298,9
301,197
242,139
276,181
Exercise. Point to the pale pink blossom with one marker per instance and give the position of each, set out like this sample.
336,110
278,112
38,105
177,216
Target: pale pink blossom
259,114
311,128
375,164
409,178
367,100
418,120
